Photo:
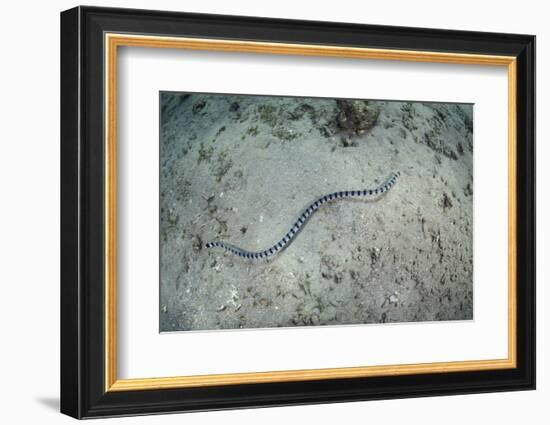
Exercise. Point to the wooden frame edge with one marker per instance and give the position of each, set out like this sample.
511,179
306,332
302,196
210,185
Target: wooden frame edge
137,384
114,40
512,212
110,213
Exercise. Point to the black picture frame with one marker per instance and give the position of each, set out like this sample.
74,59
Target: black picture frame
83,392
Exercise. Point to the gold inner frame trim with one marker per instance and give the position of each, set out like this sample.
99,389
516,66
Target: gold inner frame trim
113,41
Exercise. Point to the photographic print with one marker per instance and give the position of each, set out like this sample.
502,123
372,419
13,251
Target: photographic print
295,211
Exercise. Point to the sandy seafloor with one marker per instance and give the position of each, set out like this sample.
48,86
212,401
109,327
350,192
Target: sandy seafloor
242,168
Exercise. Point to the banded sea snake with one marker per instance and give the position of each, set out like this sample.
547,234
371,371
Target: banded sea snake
308,212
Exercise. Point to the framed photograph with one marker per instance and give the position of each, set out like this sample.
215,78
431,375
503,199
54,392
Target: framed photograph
261,212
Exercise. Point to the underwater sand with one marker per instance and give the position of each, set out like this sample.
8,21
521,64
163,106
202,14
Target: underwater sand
242,168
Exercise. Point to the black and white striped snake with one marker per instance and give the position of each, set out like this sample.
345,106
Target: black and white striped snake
308,212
